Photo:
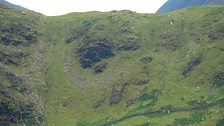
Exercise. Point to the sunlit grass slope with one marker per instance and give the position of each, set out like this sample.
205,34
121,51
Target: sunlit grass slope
121,68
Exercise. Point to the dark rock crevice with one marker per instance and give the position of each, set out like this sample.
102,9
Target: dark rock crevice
191,65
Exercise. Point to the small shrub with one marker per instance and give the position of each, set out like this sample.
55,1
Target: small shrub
195,118
219,79
153,95
220,122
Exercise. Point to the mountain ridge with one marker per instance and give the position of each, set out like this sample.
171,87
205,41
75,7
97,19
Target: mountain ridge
17,7
172,5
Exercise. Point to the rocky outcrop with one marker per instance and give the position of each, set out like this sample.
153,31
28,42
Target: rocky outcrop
117,94
99,68
16,105
12,57
191,65
92,51
147,59
18,34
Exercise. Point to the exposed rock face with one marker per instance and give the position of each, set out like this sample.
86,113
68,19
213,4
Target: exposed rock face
93,51
170,41
128,46
117,94
18,34
99,102
129,43
100,27
191,65
212,36
130,102
147,60
100,68
15,108
12,58
137,81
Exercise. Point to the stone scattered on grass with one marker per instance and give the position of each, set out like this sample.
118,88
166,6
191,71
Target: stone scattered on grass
147,59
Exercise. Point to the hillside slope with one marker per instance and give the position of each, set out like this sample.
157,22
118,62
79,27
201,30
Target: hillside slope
118,68
172,5
17,7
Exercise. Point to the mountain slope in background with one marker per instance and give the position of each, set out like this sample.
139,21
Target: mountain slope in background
112,69
17,7
172,5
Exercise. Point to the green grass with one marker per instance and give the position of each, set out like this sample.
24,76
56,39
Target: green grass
69,93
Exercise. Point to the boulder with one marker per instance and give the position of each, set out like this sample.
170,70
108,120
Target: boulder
147,59
99,68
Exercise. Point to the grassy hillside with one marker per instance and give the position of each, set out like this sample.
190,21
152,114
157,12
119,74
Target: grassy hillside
113,69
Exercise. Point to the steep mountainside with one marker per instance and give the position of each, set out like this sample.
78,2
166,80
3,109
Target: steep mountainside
172,5
112,69
17,7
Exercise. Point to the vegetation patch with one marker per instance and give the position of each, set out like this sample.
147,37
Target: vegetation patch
144,124
79,32
153,95
196,117
220,122
167,107
82,123
170,41
197,103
